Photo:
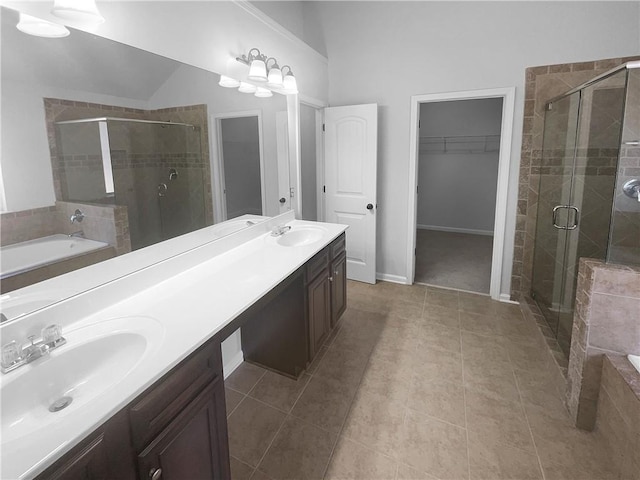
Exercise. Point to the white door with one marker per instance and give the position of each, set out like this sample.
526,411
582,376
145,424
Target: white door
351,140
282,145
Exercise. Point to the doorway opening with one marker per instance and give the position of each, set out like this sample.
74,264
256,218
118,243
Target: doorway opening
460,170
240,166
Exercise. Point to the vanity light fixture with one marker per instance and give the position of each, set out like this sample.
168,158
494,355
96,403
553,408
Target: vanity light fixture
228,82
41,28
263,92
247,88
263,69
257,65
274,78
289,82
81,11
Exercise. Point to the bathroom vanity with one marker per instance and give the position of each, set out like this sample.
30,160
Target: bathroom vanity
166,417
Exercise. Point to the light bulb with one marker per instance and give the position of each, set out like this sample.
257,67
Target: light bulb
246,88
263,92
41,28
81,11
228,82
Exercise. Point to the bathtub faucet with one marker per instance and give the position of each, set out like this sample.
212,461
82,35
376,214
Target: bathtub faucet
79,233
77,216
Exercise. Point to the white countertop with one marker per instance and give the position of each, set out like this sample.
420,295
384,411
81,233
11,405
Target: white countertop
190,306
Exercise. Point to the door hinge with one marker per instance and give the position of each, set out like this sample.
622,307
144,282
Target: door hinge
417,188
324,189
418,123
323,127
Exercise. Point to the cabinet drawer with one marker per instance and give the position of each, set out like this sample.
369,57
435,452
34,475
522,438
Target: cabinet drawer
317,264
163,402
338,246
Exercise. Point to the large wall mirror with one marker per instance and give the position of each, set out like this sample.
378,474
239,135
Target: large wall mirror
109,148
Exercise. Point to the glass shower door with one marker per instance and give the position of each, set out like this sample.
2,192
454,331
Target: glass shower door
554,196
593,183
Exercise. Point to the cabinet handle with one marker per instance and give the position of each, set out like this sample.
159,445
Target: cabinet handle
336,273
155,473
331,279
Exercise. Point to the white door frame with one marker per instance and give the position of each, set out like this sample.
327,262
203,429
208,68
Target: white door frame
506,129
319,107
217,164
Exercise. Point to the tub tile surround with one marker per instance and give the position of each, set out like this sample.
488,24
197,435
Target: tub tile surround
394,397
605,322
618,418
103,223
542,84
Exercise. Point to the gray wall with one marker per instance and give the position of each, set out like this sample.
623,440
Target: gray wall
308,162
457,190
241,152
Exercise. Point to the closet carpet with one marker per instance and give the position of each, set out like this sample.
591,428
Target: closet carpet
454,260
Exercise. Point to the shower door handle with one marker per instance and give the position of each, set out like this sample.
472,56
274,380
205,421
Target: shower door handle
576,217
554,217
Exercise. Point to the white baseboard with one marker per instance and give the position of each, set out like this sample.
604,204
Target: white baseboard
438,228
232,364
506,298
387,277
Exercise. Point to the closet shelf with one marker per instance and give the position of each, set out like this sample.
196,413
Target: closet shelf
460,144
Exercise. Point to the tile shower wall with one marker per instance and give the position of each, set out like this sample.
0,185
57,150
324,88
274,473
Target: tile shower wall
605,322
66,166
625,233
542,84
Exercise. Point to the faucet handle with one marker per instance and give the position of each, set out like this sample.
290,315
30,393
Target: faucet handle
10,354
52,335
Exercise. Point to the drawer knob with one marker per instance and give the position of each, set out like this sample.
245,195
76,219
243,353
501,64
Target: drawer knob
155,473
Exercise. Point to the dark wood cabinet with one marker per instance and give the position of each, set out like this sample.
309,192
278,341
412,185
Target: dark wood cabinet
338,287
326,280
177,429
105,454
319,311
193,445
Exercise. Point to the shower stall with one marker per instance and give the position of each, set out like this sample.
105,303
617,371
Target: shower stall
588,203
156,169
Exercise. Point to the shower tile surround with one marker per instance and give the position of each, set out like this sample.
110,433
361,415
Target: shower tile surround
605,322
542,84
123,161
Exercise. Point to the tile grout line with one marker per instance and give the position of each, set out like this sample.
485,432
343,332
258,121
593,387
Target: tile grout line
464,399
526,417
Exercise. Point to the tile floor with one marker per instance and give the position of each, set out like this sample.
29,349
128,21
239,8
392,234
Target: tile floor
414,383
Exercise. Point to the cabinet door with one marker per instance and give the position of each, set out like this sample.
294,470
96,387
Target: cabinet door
319,294
194,445
338,288
90,463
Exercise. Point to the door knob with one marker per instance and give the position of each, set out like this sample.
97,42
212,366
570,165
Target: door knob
369,206
283,200
155,473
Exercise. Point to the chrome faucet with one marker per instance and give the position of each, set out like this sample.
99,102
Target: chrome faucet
79,233
14,356
280,230
77,216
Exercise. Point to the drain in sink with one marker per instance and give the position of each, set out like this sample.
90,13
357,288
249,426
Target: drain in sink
60,404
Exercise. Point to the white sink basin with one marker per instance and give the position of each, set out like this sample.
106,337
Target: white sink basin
94,359
300,236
